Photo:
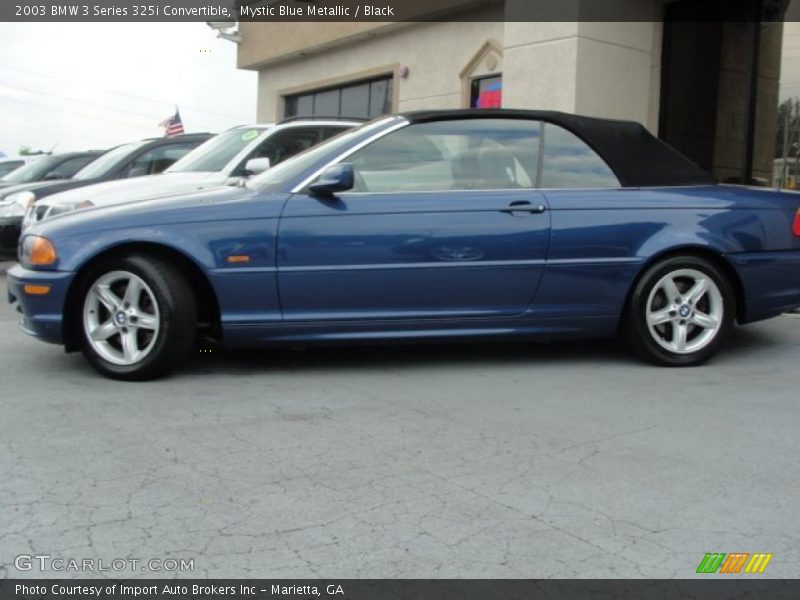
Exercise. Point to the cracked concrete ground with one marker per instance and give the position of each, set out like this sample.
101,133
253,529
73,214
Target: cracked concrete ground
560,460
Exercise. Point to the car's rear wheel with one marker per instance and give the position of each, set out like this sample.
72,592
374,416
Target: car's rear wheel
138,318
680,312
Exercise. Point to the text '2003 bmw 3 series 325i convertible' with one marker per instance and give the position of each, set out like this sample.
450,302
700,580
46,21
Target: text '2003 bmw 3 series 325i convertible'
430,225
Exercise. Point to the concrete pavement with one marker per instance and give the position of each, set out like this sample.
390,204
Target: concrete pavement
503,460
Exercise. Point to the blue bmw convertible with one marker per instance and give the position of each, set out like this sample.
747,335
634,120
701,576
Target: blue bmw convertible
480,224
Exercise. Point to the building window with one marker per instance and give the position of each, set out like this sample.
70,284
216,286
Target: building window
359,100
487,92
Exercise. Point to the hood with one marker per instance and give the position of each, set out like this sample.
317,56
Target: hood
137,188
46,188
27,187
210,205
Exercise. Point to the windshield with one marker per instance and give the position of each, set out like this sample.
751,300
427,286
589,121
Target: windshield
278,176
105,162
214,154
33,171
10,166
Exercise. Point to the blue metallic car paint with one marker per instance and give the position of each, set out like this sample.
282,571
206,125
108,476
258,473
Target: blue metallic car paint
429,265
41,315
771,282
206,228
407,256
601,240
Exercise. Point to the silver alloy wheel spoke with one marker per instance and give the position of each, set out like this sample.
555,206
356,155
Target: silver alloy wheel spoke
703,320
132,293
679,334
671,289
659,317
145,321
684,311
107,297
697,291
104,331
121,318
130,346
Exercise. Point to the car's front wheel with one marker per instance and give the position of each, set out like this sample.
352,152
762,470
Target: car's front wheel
138,318
680,312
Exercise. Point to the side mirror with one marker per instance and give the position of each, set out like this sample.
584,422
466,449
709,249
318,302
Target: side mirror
254,166
336,178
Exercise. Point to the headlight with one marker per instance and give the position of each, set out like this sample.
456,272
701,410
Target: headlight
40,211
37,251
15,205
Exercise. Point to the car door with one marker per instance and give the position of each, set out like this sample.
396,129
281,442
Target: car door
443,222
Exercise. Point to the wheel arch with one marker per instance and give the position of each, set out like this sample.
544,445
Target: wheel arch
207,303
710,254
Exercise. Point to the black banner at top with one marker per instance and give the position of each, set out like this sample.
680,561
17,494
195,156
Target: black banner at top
322,11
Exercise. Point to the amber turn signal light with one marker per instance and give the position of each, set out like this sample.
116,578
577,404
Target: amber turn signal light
43,253
36,290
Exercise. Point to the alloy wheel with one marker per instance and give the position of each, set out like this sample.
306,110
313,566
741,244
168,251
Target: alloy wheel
121,318
684,311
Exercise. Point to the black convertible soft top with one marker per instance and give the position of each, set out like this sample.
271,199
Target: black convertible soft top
637,157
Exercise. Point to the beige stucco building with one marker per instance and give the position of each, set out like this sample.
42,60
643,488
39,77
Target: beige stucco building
710,89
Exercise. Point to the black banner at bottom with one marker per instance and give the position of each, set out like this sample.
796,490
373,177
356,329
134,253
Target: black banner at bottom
397,589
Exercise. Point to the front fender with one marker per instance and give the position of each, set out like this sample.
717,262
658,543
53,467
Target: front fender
245,291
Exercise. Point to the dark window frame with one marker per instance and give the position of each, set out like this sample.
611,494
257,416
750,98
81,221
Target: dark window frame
291,102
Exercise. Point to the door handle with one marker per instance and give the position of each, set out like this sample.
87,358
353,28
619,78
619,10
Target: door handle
524,206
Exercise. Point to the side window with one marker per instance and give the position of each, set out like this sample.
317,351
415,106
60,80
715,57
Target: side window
281,145
69,167
329,132
569,163
469,154
156,159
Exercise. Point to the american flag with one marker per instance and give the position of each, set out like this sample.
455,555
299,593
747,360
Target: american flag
172,125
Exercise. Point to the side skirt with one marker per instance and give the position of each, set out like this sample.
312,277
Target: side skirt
357,332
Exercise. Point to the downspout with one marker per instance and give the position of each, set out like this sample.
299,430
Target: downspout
752,102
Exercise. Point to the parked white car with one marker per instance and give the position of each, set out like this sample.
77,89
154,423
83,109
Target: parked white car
225,159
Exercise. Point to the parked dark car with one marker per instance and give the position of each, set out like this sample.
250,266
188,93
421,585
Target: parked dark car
480,224
146,157
49,168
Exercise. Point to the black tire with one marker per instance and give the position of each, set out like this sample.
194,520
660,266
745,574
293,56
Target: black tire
642,338
177,318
